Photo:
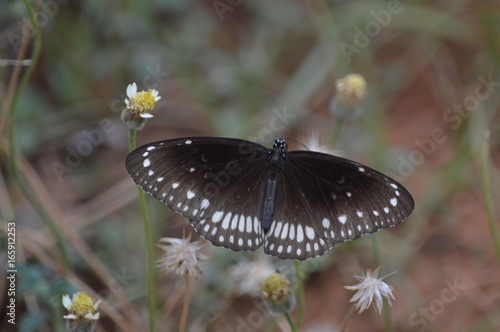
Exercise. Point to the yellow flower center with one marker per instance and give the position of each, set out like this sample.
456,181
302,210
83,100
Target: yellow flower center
276,288
82,305
142,102
351,89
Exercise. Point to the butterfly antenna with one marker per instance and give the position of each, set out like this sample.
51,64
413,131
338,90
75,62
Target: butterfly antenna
299,143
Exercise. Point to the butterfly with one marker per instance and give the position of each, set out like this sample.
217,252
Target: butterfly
241,195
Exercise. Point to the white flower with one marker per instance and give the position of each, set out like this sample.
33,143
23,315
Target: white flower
181,256
371,288
314,145
141,103
250,275
81,307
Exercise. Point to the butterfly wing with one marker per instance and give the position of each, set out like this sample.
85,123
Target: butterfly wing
328,199
216,183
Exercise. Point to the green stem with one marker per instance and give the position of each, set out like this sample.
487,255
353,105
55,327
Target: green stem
299,292
149,243
487,195
386,311
377,255
290,321
336,132
185,308
54,229
346,319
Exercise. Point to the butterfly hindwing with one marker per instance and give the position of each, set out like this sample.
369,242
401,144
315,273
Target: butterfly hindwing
236,223
294,233
348,199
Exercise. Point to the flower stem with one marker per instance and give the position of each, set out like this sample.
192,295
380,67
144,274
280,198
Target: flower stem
12,147
386,311
346,319
487,195
299,292
149,243
290,321
336,132
185,308
377,256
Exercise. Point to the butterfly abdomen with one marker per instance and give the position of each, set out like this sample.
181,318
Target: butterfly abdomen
276,156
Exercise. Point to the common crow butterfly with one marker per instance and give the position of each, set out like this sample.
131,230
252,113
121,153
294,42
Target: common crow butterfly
241,195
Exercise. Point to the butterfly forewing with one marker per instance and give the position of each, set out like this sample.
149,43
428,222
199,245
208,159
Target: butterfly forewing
193,175
215,183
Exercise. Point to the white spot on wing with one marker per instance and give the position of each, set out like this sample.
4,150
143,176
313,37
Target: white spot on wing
249,224
256,225
145,154
226,221
217,216
241,223
234,222
342,218
361,169
188,142
190,194
394,201
160,179
151,148
300,233
146,162
360,214
175,185
310,232
151,172
204,203
284,234
277,230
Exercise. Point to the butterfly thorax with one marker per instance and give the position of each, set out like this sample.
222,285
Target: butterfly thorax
276,157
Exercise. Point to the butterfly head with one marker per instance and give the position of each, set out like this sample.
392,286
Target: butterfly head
280,145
